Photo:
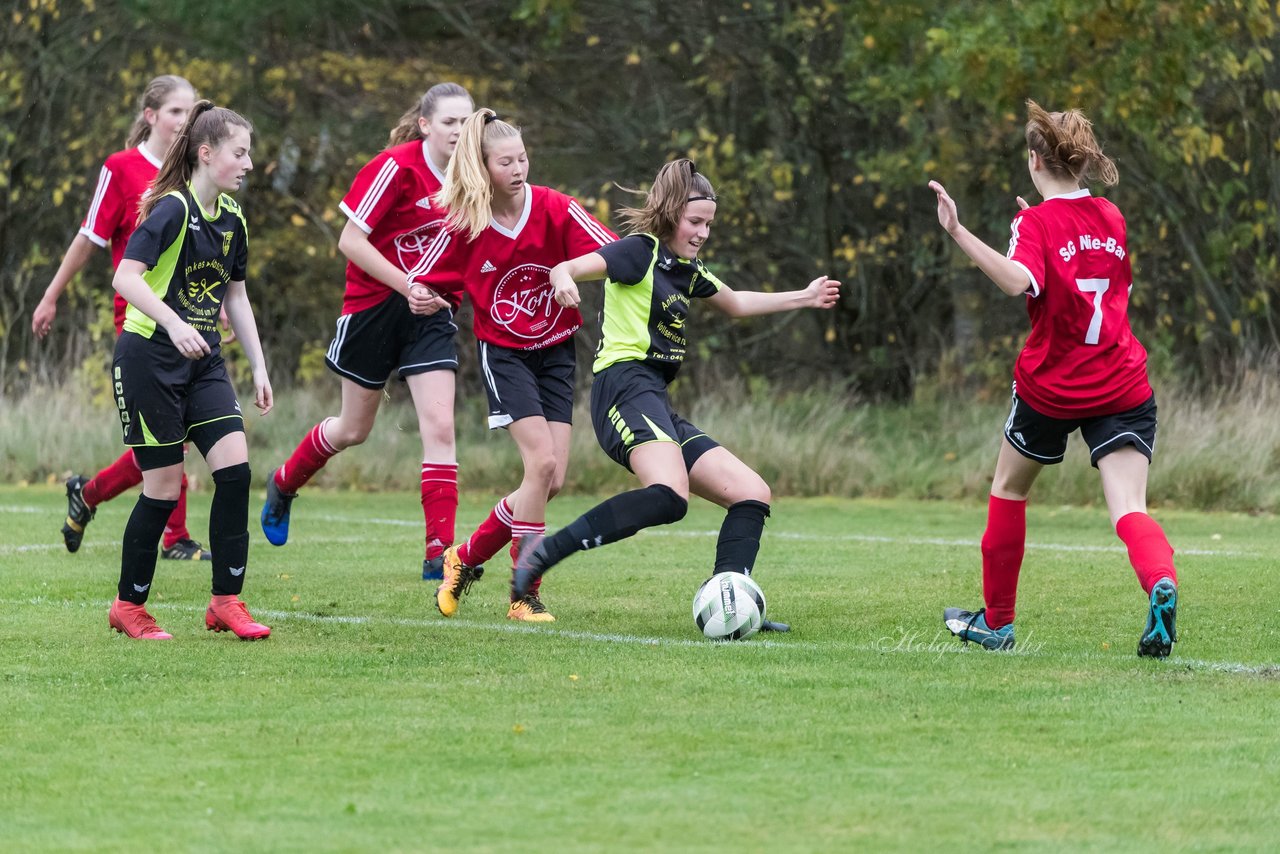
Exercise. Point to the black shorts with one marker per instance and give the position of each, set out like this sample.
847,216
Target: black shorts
630,408
165,399
521,383
387,337
1044,439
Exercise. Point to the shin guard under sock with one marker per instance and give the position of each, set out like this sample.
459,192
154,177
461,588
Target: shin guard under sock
139,549
1003,545
616,519
1149,549
229,528
740,532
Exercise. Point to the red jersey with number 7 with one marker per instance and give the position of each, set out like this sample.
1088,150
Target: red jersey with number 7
506,272
1081,358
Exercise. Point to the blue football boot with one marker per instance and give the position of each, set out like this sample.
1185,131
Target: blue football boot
972,626
1161,632
275,513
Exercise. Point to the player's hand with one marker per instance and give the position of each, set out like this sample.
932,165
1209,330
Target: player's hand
423,300
566,290
948,218
823,292
262,396
42,317
228,334
190,344
1022,204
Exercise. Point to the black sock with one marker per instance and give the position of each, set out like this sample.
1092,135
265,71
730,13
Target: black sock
229,529
615,519
739,541
141,542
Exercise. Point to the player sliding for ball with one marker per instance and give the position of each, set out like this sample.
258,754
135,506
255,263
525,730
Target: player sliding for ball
651,278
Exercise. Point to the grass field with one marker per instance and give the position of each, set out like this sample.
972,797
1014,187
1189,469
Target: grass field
368,722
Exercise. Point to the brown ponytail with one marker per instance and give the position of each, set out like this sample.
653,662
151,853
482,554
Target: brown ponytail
1066,144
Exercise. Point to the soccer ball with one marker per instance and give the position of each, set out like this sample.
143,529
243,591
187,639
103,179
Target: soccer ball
729,606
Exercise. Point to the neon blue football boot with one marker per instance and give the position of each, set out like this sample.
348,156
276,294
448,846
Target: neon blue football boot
275,513
1161,632
972,626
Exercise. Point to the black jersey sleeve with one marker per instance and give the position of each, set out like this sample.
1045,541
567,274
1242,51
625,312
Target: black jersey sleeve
705,284
157,232
240,267
628,260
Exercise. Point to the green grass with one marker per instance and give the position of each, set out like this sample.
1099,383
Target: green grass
368,722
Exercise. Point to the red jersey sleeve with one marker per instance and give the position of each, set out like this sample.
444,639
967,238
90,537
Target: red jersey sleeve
1027,248
107,208
442,266
373,193
584,232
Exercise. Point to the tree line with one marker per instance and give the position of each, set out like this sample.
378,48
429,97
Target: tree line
819,122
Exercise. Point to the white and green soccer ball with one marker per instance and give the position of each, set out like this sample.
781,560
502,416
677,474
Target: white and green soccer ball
729,606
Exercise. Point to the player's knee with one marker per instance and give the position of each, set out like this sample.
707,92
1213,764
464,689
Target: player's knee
342,434
236,476
541,469
667,503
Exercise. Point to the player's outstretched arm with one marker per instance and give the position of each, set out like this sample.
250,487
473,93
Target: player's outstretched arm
822,292
240,313
566,275
130,285
75,259
1008,276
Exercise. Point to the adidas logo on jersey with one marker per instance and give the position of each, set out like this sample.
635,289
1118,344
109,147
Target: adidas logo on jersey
424,202
487,267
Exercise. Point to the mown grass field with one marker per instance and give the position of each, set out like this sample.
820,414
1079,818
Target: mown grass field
368,722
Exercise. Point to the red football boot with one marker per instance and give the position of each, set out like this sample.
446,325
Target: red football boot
134,621
228,614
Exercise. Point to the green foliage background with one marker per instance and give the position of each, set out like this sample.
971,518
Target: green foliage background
819,122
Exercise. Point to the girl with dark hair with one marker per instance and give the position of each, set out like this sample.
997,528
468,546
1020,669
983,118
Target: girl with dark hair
112,216
1081,368
651,279
391,220
503,237
184,264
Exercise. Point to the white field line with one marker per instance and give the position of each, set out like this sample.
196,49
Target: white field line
937,645
664,532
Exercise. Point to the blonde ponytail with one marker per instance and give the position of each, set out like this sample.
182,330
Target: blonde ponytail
467,194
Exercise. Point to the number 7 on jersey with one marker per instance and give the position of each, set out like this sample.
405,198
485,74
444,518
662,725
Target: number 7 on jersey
1097,287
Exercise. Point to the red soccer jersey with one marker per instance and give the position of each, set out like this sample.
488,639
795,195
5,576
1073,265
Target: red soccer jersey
113,213
390,200
1081,358
505,271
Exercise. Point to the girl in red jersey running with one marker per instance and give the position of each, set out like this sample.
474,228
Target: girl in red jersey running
1081,368
112,217
504,235
391,220
653,275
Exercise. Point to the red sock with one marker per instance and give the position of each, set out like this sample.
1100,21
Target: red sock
307,459
176,528
113,480
1003,544
520,530
1149,549
439,505
493,533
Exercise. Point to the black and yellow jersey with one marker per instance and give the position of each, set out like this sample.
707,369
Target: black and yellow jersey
646,303
191,254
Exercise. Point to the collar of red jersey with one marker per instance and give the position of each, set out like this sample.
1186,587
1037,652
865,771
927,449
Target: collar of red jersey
1081,193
